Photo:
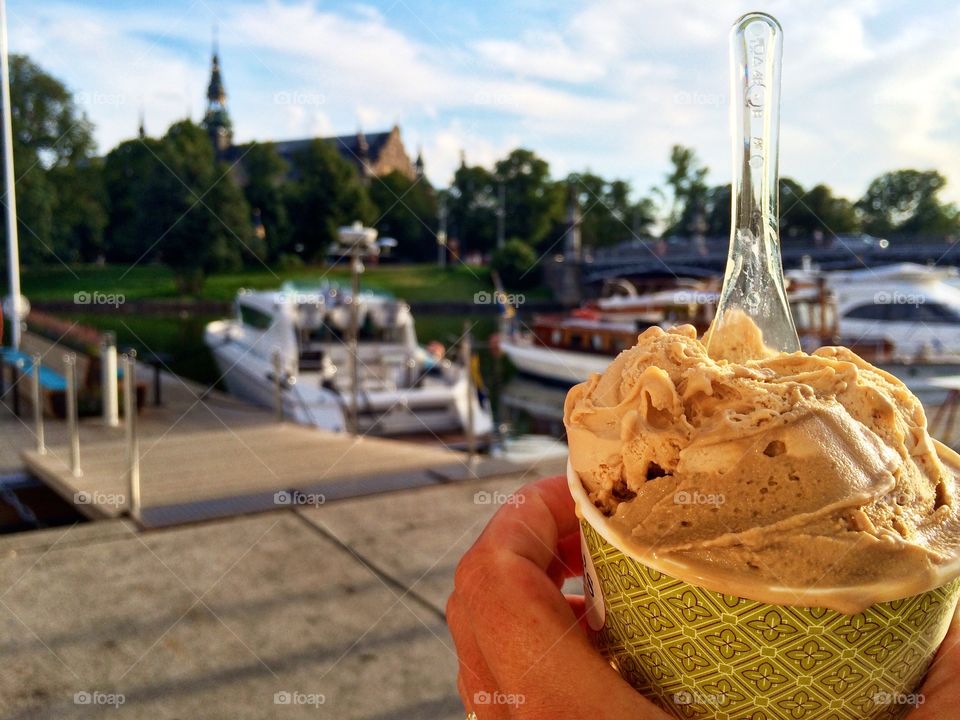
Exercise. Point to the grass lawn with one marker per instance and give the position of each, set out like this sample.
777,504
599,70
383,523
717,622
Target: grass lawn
410,282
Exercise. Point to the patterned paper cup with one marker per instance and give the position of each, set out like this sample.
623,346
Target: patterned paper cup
701,654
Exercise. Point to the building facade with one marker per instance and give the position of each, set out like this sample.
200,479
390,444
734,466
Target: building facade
372,154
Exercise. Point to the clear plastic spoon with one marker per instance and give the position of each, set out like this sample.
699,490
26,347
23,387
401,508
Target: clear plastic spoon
753,282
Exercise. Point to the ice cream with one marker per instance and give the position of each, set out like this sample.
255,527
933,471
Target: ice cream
792,479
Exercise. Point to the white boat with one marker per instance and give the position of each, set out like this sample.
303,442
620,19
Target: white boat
402,389
903,318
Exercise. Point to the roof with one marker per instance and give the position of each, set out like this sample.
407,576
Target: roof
348,145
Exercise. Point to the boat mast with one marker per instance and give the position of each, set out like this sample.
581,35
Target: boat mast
13,245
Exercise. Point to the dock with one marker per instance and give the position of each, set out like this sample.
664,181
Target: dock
267,561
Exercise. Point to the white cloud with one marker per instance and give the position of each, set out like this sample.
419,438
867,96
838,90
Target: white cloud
610,86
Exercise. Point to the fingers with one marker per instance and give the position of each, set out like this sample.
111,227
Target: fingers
532,527
473,677
527,632
941,691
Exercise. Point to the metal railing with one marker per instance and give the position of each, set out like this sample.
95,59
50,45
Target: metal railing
129,361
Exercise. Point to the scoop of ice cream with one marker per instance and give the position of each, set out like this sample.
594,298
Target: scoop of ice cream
796,479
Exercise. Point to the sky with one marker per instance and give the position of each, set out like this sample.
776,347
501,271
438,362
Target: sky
600,85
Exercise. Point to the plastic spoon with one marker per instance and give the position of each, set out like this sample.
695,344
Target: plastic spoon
753,282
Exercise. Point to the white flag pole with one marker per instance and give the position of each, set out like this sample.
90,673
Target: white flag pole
13,246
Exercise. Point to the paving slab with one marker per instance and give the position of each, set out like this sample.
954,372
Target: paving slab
227,619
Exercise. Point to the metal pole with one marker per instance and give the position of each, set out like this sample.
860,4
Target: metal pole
277,384
356,268
501,215
130,425
73,425
108,380
38,407
442,233
9,182
467,360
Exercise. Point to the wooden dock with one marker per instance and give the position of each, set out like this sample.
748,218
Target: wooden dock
218,473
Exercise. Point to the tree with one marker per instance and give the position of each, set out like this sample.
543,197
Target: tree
267,191
472,209
906,202
133,179
686,182
717,211
408,212
52,148
803,213
80,210
208,221
532,203
516,263
326,195
608,215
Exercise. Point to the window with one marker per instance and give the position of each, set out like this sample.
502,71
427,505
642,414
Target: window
871,311
937,313
255,318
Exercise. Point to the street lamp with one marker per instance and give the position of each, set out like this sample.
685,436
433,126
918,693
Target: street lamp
358,242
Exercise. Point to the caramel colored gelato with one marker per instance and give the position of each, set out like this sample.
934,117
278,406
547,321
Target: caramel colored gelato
792,479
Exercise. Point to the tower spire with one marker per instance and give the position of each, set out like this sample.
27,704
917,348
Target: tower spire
418,164
217,120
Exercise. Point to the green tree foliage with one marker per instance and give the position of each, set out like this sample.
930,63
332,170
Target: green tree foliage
408,213
472,209
210,226
131,178
516,263
804,212
686,192
907,202
609,216
326,194
266,190
58,191
532,202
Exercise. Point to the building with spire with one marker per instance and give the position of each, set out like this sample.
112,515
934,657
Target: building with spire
372,154
216,120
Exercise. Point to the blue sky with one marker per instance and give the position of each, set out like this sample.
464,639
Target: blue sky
606,85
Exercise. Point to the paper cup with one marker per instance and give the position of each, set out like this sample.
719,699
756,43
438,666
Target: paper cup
702,654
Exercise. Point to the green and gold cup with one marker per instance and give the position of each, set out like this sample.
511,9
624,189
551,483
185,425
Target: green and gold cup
702,654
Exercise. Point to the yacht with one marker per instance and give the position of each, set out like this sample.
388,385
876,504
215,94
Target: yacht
294,342
904,318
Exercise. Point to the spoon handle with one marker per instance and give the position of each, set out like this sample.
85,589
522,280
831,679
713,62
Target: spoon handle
754,282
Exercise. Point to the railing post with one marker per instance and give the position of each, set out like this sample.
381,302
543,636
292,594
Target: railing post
467,360
278,384
73,425
38,407
108,381
130,425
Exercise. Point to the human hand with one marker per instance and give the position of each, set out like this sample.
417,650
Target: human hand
522,644
939,696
